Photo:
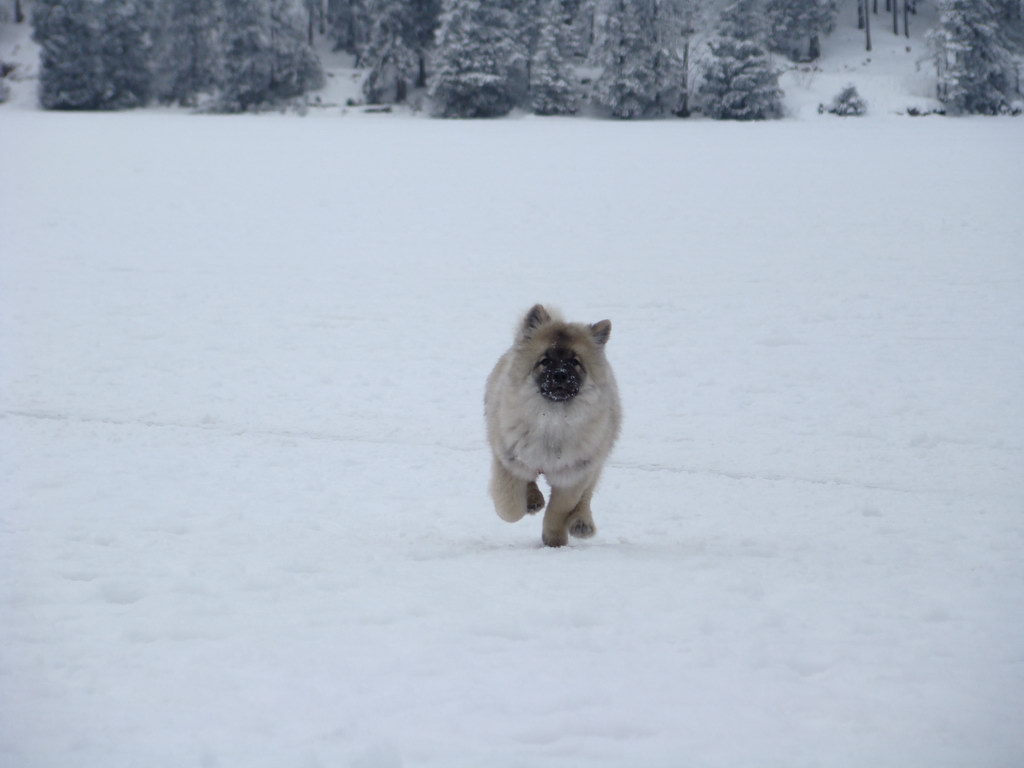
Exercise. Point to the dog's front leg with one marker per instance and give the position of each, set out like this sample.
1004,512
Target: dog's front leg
513,497
567,505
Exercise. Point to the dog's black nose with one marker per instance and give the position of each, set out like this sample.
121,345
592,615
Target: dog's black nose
559,377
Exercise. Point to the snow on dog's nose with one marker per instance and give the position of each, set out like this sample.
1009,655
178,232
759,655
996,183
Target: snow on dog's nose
559,382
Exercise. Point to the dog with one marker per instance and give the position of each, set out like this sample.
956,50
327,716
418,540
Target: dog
552,408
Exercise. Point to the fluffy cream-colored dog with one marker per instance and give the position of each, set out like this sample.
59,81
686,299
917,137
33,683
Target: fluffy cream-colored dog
552,409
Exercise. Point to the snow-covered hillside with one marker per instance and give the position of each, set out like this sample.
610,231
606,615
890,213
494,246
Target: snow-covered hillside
244,518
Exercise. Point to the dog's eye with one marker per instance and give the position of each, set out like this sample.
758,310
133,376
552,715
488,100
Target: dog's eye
544,362
576,363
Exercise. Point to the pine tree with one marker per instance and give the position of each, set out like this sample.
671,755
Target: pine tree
1010,14
971,55
266,57
390,53
689,19
795,26
742,20
67,32
94,53
315,18
739,82
475,52
126,52
526,30
349,24
187,55
425,14
552,88
580,15
640,71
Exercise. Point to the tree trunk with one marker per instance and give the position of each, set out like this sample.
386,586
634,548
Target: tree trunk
860,15
874,7
684,97
906,17
421,76
814,49
19,15
867,26
895,18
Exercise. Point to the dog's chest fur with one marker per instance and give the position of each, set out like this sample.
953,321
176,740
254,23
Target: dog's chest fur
565,442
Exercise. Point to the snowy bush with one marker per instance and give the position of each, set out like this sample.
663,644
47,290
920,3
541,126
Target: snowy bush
847,103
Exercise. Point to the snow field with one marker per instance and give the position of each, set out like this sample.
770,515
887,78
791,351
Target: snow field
244,516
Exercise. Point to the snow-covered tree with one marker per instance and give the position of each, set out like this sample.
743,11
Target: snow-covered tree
266,56
476,50
425,15
739,81
526,30
316,19
743,20
94,53
390,53
580,15
1010,14
187,54
348,23
552,85
971,55
795,27
67,32
640,72
689,21
126,49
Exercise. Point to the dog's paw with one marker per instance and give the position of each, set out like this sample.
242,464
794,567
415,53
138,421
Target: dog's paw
510,513
582,529
554,539
534,499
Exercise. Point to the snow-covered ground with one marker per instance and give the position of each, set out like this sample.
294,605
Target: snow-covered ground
243,509
896,75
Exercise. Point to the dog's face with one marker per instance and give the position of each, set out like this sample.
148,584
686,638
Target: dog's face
562,354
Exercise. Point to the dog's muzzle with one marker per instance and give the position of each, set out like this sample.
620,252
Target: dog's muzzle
559,384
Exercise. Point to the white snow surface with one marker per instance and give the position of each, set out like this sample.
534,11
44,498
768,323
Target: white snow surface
243,508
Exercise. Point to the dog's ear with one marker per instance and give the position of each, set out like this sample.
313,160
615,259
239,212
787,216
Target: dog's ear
601,331
534,319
